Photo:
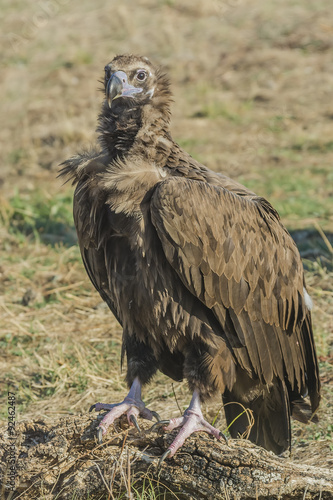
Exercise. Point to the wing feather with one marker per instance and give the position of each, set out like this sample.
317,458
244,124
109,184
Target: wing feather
232,252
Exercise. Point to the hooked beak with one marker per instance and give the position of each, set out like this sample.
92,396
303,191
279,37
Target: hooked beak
118,86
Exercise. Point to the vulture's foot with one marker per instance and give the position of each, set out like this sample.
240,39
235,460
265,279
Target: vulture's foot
191,421
132,406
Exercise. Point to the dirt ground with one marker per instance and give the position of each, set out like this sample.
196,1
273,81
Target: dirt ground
253,97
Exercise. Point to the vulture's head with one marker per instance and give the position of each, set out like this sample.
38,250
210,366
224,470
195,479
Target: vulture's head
131,81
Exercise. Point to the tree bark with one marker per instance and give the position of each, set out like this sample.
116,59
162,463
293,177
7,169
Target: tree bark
62,459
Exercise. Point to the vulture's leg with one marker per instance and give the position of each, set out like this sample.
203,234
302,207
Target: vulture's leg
132,406
191,421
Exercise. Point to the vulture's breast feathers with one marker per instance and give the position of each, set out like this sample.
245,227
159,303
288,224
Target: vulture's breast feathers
130,184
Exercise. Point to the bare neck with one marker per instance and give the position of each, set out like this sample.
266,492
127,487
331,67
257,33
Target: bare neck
141,130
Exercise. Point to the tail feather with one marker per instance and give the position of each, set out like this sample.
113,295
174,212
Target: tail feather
301,411
270,426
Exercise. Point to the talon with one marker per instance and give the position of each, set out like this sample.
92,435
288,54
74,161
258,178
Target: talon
100,435
92,408
135,423
224,437
164,456
158,425
156,415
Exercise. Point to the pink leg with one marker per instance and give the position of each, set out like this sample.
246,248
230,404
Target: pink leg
191,421
132,405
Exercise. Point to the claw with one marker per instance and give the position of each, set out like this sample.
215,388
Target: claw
100,435
135,423
164,456
224,437
156,415
158,425
132,406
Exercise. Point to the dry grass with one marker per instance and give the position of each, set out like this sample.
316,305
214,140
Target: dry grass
253,89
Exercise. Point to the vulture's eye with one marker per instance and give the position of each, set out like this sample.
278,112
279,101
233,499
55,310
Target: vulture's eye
141,76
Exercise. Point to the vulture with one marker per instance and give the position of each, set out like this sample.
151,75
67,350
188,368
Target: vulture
199,271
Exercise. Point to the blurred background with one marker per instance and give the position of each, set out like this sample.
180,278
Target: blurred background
253,98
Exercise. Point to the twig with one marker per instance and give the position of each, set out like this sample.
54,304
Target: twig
250,418
323,235
102,477
174,393
128,473
63,288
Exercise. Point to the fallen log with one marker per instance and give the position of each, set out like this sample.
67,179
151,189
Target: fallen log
62,460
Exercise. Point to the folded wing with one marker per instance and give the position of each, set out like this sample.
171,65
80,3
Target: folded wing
232,252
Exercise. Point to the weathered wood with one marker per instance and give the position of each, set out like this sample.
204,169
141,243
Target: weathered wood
63,458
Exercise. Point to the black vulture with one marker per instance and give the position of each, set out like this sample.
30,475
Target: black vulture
205,280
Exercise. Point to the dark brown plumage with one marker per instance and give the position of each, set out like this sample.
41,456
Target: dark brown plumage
205,280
